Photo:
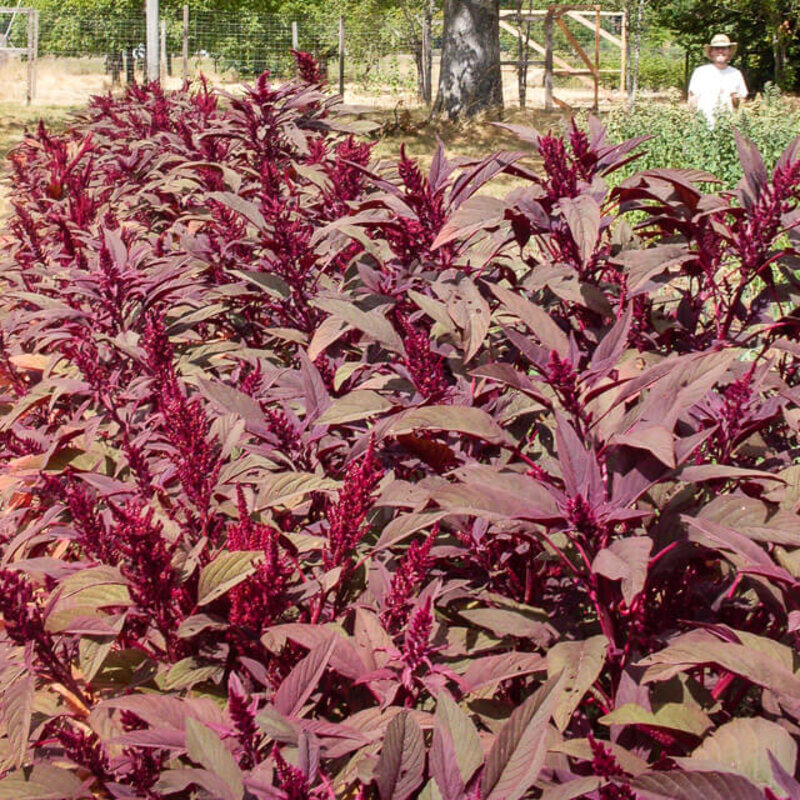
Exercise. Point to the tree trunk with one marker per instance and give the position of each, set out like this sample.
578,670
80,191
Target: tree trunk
522,52
427,50
470,79
775,21
637,46
420,65
779,58
780,62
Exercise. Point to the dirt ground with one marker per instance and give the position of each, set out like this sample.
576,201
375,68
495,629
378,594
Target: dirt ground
71,81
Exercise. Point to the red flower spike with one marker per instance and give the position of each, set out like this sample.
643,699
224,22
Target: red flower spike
346,517
243,714
20,612
290,779
561,375
408,575
307,67
257,602
605,765
84,749
422,364
416,645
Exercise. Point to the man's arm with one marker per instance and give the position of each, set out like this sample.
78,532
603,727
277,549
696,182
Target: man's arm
741,89
740,92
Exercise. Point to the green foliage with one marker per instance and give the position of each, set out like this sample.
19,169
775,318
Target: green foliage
79,26
245,37
682,139
659,70
766,32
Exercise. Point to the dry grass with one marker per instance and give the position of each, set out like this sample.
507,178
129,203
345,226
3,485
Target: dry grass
15,119
473,139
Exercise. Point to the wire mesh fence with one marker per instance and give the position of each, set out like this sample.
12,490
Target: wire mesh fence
383,59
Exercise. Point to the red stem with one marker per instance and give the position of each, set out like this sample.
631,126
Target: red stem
722,684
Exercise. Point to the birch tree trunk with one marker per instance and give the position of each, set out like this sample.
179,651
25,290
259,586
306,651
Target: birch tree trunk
637,46
470,79
778,46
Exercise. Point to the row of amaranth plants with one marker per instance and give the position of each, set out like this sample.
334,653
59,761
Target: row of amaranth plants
325,478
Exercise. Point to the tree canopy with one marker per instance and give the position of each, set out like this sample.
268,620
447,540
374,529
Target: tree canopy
768,33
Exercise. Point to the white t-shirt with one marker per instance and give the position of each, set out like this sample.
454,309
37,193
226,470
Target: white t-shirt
713,88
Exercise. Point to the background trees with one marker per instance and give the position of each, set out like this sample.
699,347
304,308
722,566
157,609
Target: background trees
767,32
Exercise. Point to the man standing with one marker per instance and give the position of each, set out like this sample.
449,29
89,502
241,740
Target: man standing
717,85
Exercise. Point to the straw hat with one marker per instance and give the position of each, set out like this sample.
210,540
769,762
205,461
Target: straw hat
721,40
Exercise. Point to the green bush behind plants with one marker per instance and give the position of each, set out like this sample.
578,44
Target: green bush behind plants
682,139
658,69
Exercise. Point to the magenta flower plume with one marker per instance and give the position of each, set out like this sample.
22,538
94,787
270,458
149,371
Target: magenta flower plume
347,516
410,573
605,765
308,68
423,365
290,779
258,602
416,644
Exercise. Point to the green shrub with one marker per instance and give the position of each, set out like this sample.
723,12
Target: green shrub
659,71
682,139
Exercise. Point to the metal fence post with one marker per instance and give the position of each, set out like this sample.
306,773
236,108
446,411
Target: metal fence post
548,61
185,49
295,37
162,61
341,56
151,40
29,86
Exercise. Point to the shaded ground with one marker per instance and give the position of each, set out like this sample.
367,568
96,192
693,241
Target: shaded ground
475,139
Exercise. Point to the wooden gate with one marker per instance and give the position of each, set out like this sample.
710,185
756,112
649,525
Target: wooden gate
588,73
31,49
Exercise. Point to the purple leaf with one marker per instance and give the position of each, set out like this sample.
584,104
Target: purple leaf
540,324
625,560
755,178
302,681
583,218
517,755
17,704
493,669
401,765
204,747
579,467
695,786
41,782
